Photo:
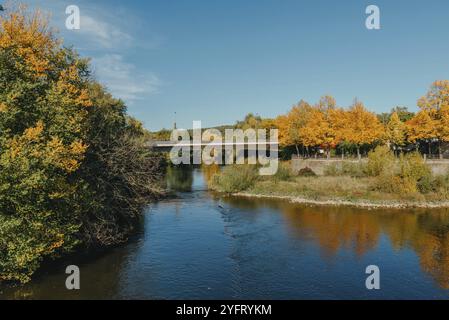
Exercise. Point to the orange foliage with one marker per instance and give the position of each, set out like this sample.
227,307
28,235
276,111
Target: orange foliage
30,38
326,125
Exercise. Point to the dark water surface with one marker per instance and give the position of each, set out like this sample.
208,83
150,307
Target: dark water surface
204,246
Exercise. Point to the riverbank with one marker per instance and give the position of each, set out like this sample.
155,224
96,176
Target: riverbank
381,182
341,191
367,204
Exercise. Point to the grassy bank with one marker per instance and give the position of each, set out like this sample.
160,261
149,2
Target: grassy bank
383,181
344,191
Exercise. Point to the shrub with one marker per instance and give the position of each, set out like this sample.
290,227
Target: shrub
410,176
413,166
236,178
438,184
428,184
379,160
306,172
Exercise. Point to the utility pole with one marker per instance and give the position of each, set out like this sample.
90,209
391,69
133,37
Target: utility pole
174,125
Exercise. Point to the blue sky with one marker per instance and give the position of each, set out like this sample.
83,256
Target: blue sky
216,60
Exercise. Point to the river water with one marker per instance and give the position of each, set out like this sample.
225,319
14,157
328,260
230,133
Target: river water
201,245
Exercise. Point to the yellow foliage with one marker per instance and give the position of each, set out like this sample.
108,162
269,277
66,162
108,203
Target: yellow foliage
421,127
433,119
53,152
338,119
444,124
325,125
30,38
436,98
283,125
32,134
315,130
362,126
396,130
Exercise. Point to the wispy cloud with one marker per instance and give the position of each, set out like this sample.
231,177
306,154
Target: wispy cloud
103,34
123,79
106,35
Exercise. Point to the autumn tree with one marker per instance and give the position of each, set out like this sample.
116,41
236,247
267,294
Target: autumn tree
318,128
395,131
328,106
444,124
362,126
73,169
315,129
291,126
338,119
422,127
435,103
44,103
282,124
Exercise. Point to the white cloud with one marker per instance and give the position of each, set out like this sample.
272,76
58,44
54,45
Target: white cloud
122,78
103,33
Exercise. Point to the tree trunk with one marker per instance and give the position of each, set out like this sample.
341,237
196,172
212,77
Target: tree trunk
297,150
430,149
439,149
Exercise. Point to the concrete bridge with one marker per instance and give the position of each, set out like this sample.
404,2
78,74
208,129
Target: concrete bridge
166,145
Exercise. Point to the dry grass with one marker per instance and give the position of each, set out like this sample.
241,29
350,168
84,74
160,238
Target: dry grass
330,188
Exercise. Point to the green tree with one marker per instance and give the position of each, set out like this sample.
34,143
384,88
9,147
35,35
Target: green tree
74,169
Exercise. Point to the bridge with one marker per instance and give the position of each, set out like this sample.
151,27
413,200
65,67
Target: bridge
170,144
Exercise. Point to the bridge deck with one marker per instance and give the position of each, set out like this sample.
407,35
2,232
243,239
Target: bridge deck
170,144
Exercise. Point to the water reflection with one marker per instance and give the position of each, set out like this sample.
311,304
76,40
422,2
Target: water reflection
101,276
209,171
180,178
424,231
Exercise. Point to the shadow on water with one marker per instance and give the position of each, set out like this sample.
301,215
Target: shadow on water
101,272
200,245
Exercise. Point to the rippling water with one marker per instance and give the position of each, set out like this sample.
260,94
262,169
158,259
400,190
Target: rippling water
205,246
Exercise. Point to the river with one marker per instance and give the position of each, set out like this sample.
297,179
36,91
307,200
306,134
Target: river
200,245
